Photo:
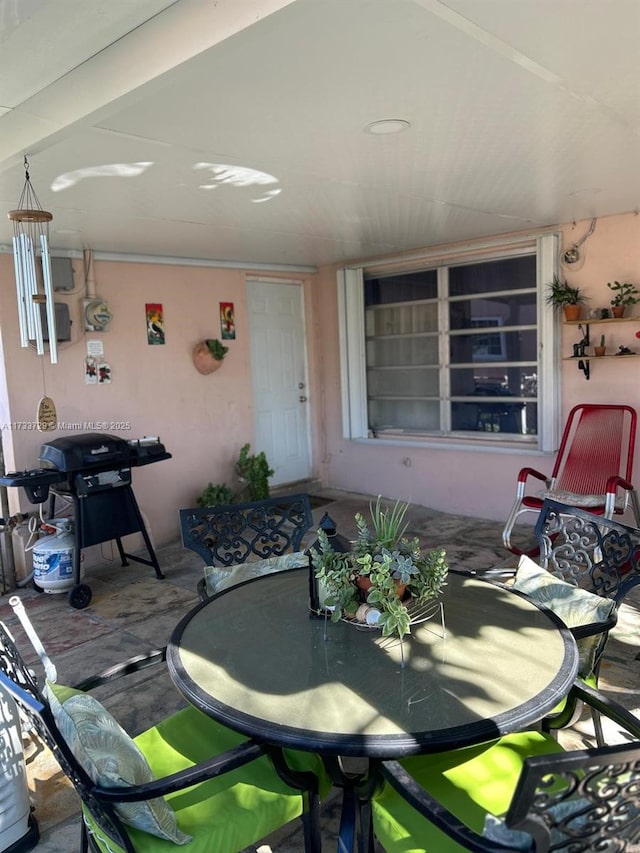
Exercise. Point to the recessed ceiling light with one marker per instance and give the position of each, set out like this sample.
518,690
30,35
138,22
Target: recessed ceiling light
387,125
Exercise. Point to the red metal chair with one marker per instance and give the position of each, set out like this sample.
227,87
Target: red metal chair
593,468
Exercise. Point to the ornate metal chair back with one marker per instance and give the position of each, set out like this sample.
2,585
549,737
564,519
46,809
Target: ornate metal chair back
580,800
587,550
234,533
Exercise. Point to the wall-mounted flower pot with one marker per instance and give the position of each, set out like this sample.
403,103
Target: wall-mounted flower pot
204,360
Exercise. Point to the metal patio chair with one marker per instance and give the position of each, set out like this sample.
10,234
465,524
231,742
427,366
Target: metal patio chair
187,780
234,534
595,554
592,553
520,792
593,469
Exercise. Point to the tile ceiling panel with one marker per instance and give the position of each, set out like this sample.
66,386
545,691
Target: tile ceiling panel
591,46
47,33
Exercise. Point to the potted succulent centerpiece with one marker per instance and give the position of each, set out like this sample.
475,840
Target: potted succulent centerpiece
564,297
384,570
625,294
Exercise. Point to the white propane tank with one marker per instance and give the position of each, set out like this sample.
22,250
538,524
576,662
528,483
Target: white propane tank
53,558
18,830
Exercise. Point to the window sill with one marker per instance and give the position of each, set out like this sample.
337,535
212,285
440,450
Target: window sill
457,443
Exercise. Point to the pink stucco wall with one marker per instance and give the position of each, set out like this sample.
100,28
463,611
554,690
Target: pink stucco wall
611,253
202,420
481,483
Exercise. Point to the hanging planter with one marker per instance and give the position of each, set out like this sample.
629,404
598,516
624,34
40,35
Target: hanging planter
208,355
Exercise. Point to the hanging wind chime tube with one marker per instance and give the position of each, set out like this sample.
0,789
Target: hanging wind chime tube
30,245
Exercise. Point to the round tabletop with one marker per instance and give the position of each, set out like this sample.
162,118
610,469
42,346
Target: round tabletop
255,659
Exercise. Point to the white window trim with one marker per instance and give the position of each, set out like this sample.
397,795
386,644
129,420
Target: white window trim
549,391
353,369
353,380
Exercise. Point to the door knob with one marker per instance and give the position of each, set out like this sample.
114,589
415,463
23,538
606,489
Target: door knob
302,398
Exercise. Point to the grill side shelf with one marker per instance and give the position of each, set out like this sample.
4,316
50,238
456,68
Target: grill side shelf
139,459
37,476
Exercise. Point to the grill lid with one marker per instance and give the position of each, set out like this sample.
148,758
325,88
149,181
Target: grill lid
85,452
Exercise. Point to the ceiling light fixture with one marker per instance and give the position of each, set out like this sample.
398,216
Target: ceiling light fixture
387,125
31,242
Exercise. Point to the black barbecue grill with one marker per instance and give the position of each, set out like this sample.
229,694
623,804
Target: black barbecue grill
93,471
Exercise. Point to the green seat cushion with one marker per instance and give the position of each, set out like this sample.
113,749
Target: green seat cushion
225,814
470,782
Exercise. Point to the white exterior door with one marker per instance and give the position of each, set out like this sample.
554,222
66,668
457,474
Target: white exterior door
279,376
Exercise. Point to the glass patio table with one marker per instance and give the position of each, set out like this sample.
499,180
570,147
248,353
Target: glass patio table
255,659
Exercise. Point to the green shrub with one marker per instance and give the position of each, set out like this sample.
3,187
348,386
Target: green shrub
256,471
217,495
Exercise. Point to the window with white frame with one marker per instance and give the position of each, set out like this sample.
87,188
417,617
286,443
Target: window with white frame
452,349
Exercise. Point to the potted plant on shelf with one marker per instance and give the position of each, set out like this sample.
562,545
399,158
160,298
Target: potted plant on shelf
384,570
208,355
625,294
563,296
601,350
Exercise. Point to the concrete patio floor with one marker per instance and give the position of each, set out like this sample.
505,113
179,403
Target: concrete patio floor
132,612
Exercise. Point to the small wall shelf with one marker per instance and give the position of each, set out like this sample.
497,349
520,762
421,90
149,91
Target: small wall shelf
593,322
600,357
583,361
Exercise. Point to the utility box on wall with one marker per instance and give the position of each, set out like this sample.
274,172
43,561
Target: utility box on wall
63,322
61,274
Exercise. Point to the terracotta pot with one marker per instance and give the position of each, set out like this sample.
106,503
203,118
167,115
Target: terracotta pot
617,310
401,589
599,351
364,583
203,359
571,312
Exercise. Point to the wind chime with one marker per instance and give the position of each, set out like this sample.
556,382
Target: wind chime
31,256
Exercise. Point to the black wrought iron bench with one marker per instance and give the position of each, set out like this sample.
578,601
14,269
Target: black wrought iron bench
236,534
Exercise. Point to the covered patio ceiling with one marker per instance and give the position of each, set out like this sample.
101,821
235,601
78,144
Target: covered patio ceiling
239,130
